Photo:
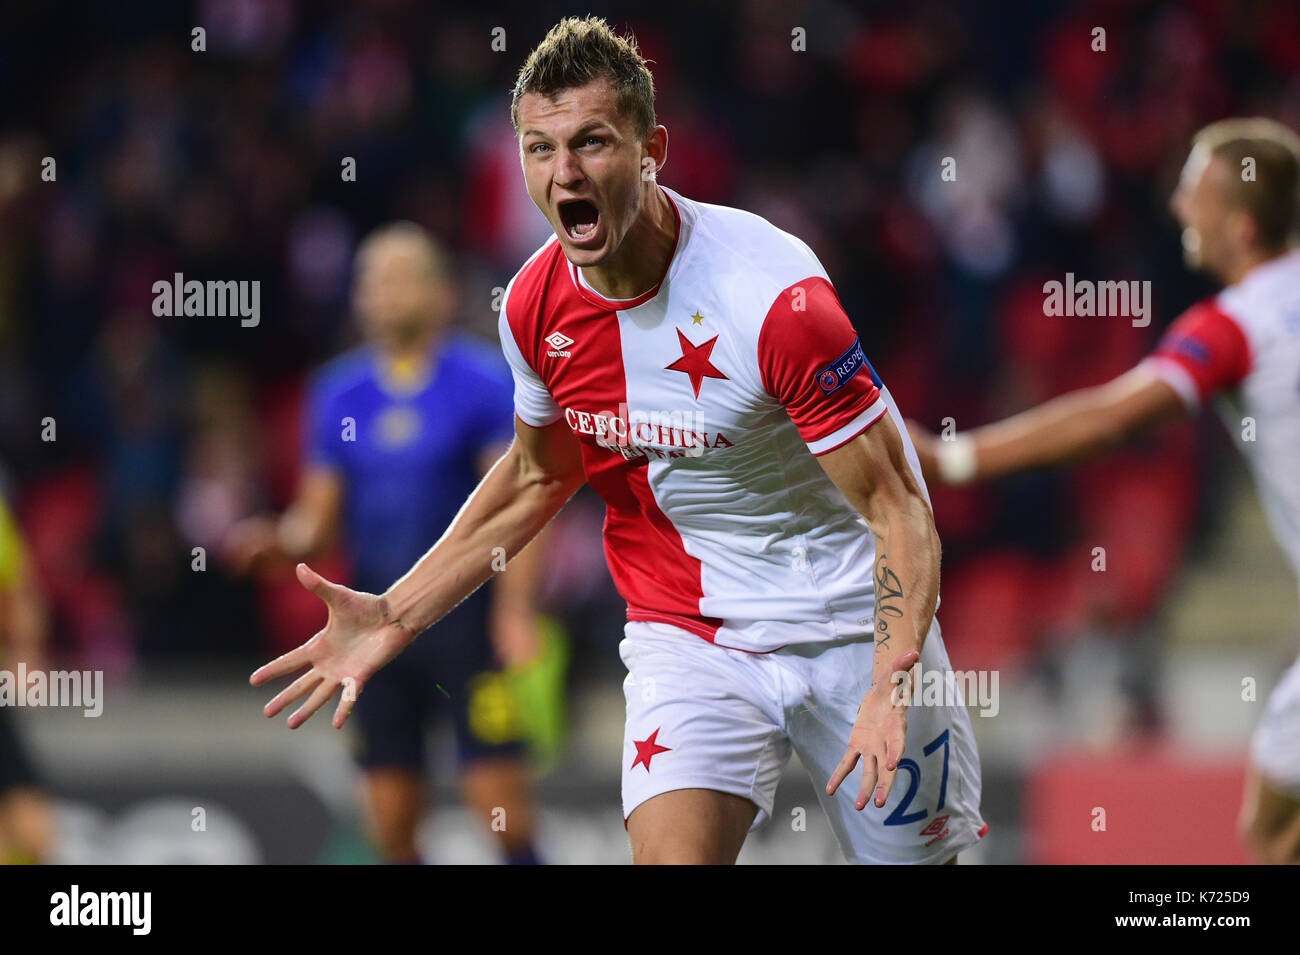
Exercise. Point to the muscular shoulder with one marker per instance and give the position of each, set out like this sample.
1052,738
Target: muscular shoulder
755,259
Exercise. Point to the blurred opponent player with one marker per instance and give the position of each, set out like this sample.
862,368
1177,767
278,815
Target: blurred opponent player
400,432
25,819
766,519
1242,345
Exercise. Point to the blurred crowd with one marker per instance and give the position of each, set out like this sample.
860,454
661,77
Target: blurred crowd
129,440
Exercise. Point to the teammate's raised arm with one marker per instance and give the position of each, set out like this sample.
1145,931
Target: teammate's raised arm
1230,229
872,472
527,487
1067,428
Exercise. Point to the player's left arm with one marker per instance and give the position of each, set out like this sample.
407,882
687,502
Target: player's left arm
812,362
872,471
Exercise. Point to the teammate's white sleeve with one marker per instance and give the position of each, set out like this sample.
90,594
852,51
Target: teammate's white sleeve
1205,351
533,403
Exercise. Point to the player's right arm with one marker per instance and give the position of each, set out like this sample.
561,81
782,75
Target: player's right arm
517,498
1202,353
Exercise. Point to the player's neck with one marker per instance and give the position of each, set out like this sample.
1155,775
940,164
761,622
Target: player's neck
643,255
410,360
1250,261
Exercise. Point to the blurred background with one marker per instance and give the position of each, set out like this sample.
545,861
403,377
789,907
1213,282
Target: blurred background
1118,689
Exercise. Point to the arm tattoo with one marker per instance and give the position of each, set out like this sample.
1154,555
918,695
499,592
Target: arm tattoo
889,599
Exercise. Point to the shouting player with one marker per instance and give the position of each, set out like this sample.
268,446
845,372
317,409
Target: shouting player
401,430
766,520
1238,201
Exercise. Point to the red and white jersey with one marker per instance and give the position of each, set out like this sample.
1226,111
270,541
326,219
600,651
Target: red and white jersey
1244,343
700,406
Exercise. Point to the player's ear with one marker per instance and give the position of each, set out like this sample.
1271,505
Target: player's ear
655,148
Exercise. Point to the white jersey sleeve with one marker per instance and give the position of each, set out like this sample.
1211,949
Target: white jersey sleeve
533,402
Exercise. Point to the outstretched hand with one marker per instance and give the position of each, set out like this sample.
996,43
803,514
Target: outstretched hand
879,736
358,639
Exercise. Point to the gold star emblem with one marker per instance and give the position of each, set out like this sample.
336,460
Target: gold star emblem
697,318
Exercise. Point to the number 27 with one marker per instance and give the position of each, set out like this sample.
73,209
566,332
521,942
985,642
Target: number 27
900,816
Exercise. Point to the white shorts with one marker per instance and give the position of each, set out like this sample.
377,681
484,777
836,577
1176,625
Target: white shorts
700,716
1275,746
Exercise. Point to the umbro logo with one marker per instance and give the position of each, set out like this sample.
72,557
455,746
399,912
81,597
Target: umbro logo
559,344
938,827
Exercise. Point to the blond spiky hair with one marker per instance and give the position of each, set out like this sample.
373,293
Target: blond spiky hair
579,50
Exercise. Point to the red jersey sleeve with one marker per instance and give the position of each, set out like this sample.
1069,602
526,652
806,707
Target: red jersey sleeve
1203,352
812,362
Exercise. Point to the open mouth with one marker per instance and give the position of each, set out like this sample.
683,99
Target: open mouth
580,217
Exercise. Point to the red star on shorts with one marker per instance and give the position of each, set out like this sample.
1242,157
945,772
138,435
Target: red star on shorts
647,749
695,361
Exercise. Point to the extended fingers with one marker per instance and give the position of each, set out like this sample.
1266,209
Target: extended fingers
281,666
294,691
842,771
870,773
349,700
314,702
895,743
885,784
